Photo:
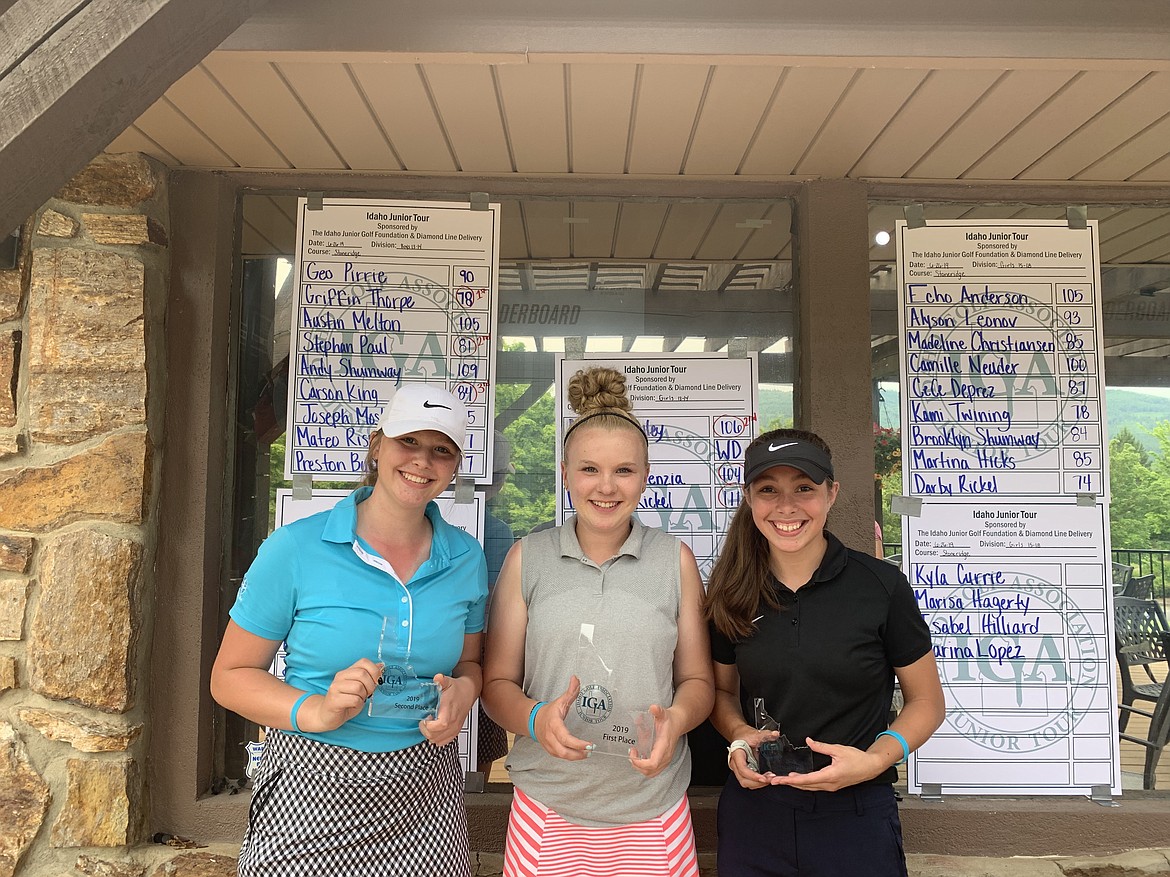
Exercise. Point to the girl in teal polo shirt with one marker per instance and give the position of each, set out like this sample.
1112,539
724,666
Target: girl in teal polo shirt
378,589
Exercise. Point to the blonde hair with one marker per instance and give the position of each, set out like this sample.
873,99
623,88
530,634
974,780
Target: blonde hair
371,477
598,394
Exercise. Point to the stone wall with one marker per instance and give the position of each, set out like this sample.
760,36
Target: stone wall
80,403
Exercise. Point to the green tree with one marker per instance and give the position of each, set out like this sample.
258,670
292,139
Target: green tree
529,496
891,523
1139,497
1126,437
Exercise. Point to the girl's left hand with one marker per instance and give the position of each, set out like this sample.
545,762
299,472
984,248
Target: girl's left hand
850,766
665,740
457,695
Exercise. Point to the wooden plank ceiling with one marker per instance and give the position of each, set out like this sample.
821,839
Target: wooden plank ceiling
292,99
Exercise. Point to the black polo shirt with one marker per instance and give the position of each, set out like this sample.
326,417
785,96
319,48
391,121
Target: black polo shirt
823,662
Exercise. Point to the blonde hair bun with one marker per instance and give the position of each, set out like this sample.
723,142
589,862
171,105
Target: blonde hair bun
598,388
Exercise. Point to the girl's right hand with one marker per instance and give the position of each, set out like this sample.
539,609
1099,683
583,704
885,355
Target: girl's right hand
346,696
550,729
737,761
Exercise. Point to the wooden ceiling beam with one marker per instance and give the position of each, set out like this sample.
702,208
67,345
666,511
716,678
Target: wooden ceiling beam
76,73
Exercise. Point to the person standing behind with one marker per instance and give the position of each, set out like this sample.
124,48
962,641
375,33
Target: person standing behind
819,632
600,816
339,791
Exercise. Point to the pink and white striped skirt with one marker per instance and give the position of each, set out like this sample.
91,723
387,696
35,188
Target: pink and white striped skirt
543,844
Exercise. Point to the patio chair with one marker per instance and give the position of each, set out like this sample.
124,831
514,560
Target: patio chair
1158,737
1139,587
1140,637
1122,573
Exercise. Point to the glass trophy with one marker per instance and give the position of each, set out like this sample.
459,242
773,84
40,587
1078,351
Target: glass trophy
400,694
594,717
779,756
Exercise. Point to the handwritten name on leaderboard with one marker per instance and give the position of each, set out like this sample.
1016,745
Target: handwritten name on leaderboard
977,341
952,437
312,413
350,273
359,321
963,484
320,437
354,461
973,598
925,293
980,364
371,297
345,368
960,412
348,392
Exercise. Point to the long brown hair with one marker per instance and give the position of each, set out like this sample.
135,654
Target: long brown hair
742,580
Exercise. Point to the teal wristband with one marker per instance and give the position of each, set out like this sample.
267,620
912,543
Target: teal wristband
901,740
532,719
292,714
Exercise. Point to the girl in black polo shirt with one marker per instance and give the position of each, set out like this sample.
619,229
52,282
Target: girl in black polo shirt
817,633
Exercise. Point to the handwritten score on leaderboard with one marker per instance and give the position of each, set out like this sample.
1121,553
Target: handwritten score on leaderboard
699,412
467,516
388,293
1003,440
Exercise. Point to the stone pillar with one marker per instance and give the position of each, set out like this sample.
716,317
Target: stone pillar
832,275
80,409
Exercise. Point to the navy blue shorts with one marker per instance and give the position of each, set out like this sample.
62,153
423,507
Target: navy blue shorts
783,832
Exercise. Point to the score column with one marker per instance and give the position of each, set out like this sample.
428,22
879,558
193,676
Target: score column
1079,386
469,348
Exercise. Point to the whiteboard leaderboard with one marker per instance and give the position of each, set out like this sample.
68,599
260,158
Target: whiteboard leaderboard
1006,495
387,293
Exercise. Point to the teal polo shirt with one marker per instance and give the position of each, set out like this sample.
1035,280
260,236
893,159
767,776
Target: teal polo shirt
326,593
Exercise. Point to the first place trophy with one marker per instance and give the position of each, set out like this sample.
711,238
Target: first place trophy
594,716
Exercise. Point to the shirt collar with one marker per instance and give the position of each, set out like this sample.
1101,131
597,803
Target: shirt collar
341,525
833,563
570,547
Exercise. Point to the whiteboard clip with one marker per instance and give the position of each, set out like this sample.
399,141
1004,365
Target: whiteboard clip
914,216
931,792
906,506
314,200
464,490
1087,499
479,200
574,347
1102,795
737,348
302,487
1078,216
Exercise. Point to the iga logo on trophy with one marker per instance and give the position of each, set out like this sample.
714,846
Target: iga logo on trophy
393,679
594,704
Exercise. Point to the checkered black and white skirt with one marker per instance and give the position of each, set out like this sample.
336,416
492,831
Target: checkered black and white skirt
319,809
